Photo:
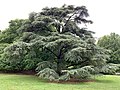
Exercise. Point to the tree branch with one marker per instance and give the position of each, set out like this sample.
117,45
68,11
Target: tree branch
69,18
51,51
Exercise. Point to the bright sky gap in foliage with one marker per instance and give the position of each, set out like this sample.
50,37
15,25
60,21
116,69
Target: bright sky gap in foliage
104,13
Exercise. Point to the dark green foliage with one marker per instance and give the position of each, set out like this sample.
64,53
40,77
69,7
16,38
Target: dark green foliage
18,57
13,56
10,34
79,73
111,42
109,69
52,43
46,64
48,73
27,37
2,46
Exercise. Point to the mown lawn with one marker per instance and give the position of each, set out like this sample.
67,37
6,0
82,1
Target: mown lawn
28,82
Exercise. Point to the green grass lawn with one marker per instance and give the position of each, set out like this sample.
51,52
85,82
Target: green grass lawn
28,82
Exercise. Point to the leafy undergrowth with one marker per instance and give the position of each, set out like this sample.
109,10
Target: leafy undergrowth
30,82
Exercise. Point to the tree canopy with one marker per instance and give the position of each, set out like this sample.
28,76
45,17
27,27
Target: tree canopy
53,43
111,42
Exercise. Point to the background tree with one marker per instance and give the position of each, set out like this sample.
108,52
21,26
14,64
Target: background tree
10,34
111,42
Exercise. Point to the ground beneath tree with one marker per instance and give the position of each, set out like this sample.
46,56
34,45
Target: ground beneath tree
27,72
31,82
72,81
30,72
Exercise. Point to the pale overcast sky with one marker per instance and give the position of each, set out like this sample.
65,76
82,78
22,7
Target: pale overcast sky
104,13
